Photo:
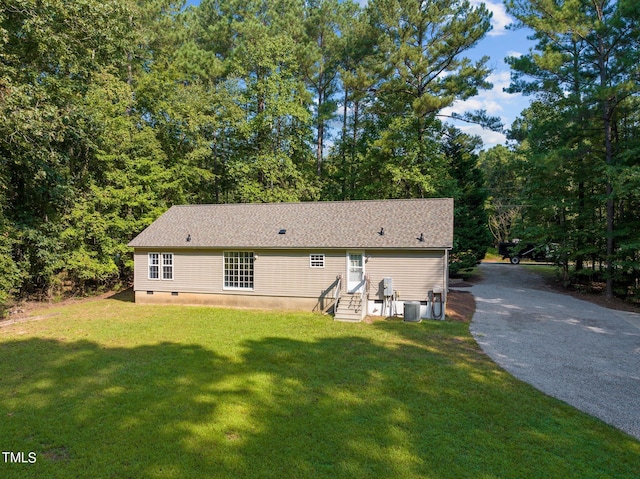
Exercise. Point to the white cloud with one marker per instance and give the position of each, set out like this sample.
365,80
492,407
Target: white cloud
496,102
500,18
489,138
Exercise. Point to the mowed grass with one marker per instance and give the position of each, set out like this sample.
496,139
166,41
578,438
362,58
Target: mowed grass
110,389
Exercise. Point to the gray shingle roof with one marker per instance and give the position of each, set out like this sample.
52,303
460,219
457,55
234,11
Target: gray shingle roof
344,224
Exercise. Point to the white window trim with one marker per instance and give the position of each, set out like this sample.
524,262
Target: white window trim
317,258
224,271
170,265
156,265
160,266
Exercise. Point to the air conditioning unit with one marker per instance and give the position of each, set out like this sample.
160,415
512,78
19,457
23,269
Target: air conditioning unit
412,311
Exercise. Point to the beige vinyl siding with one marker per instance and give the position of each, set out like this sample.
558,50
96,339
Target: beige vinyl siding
289,274
276,273
414,274
197,271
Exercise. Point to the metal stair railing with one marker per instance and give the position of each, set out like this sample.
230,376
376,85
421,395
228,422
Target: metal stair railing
338,293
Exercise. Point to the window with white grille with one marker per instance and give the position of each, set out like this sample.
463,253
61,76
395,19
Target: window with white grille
161,262
316,260
238,270
167,265
154,265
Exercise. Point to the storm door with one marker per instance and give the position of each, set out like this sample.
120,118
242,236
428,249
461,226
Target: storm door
355,272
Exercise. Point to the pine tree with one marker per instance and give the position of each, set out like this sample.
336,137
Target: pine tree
472,237
588,54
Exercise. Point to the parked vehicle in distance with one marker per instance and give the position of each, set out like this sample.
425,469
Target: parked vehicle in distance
515,251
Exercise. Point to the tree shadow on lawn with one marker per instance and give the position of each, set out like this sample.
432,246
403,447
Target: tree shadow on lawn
126,296
335,407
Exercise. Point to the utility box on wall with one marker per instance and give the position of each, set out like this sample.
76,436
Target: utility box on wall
387,285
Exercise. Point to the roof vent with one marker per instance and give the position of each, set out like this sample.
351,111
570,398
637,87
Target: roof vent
381,232
188,238
421,239
282,232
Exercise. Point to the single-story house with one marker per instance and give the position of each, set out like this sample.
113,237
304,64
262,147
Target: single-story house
349,258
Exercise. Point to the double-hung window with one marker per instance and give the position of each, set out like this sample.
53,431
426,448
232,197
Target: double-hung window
154,265
238,270
167,265
156,260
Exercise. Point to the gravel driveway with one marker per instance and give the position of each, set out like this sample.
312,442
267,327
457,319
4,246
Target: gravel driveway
581,353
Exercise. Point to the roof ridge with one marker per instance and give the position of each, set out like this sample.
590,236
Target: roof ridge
314,202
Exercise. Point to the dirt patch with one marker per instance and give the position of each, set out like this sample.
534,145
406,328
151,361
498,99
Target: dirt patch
57,454
460,306
21,311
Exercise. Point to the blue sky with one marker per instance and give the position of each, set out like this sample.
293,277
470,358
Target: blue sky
498,44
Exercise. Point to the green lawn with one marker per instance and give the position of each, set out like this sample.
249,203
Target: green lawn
112,389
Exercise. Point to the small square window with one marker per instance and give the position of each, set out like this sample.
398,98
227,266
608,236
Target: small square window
316,260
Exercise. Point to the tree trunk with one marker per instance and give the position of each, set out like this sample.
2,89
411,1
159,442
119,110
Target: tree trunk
320,147
606,120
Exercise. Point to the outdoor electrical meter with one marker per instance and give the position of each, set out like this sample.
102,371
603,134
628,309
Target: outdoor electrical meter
387,284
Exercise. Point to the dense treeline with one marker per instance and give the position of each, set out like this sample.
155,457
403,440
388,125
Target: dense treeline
111,111
573,176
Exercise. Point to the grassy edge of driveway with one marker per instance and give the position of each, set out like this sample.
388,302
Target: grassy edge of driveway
108,388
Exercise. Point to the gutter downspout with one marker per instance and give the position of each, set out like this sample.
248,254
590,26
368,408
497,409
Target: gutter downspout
445,291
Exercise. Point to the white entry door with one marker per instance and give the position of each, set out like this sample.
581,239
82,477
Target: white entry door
355,272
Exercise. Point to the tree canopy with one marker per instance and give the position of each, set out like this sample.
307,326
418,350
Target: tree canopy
577,143
114,110
111,111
